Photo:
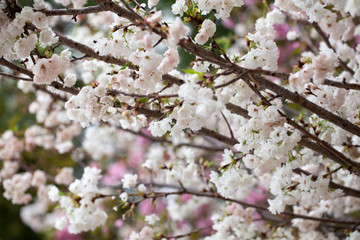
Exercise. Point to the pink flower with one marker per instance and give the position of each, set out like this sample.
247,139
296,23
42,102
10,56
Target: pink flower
256,196
357,39
136,158
46,70
177,31
186,197
94,164
147,41
281,30
65,235
170,61
143,142
229,23
204,223
146,207
202,210
119,223
285,52
115,173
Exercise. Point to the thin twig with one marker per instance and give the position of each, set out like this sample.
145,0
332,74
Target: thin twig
115,92
15,77
328,44
228,125
164,140
183,235
231,81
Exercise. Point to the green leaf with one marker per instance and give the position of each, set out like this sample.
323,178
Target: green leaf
127,64
192,71
144,99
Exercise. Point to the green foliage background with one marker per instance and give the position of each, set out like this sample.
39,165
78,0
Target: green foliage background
13,115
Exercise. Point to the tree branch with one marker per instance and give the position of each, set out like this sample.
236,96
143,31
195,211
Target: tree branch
91,53
348,191
72,11
246,205
296,98
114,92
25,71
121,12
327,42
15,77
328,82
183,235
164,140
231,81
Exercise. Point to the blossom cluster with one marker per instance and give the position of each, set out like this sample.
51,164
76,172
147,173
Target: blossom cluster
256,136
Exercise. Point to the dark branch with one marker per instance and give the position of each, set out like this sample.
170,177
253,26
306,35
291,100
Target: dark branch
72,11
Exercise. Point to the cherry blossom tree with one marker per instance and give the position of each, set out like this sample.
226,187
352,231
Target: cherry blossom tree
219,119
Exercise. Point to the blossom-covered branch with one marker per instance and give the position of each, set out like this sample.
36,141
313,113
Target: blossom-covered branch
249,129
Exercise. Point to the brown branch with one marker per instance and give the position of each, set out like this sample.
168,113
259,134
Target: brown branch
91,53
320,146
15,77
296,98
182,235
114,92
328,82
281,75
25,71
61,87
237,110
348,191
316,147
231,81
217,136
327,150
72,11
129,8
78,58
113,7
164,140
246,205
15,67
228,125
348,86
323,151
337,156
148,112
209,56
189,46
